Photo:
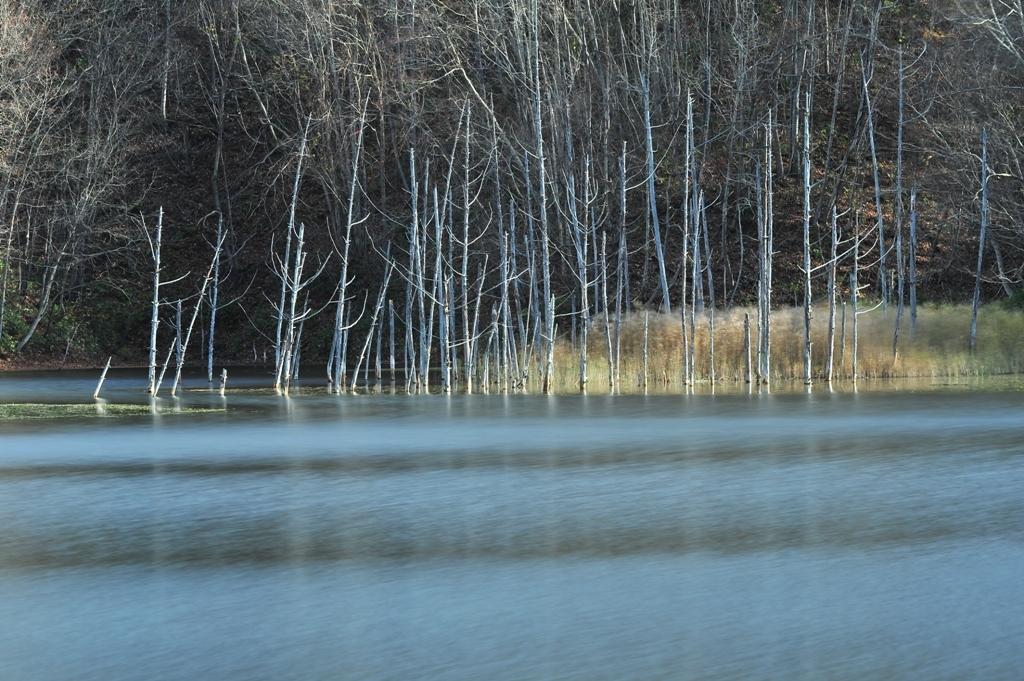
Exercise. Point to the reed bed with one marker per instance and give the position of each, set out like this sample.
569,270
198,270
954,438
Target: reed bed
937,348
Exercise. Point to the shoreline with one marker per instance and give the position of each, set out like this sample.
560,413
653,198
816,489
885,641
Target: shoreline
49,364
939,347
7,366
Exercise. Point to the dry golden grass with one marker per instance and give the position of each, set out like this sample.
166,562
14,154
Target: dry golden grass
939,348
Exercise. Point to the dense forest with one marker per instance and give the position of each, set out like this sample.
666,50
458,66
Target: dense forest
279,175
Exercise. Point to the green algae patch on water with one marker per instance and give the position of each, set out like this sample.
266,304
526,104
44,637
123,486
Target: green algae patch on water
21,412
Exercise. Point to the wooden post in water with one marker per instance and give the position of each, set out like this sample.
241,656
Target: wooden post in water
103,376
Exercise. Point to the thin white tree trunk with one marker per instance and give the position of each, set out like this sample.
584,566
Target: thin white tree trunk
913,263
883,274
288,351
7,267
711,291
468,341
214,294
377,309
746,348
769,218
163,369
503,304
981,237
656,223
391,340
580,239
549,312
44,303
285,265
830,358
177,329
898,226
762,272
607,321
807,236
688,143
155,314
339,361
854,293
103,377
195,314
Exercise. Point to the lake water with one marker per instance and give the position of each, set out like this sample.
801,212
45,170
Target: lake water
868,535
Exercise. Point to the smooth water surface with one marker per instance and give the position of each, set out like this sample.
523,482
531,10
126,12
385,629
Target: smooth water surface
871,535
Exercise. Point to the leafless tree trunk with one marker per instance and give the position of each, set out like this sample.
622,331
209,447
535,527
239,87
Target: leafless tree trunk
155,317
832,299
655,221
981,236
807,236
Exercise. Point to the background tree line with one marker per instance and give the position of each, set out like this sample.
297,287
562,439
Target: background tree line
505,166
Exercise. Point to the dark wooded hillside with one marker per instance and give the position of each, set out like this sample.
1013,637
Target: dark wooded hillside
513,163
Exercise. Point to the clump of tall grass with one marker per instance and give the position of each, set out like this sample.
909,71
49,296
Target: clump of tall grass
937,348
